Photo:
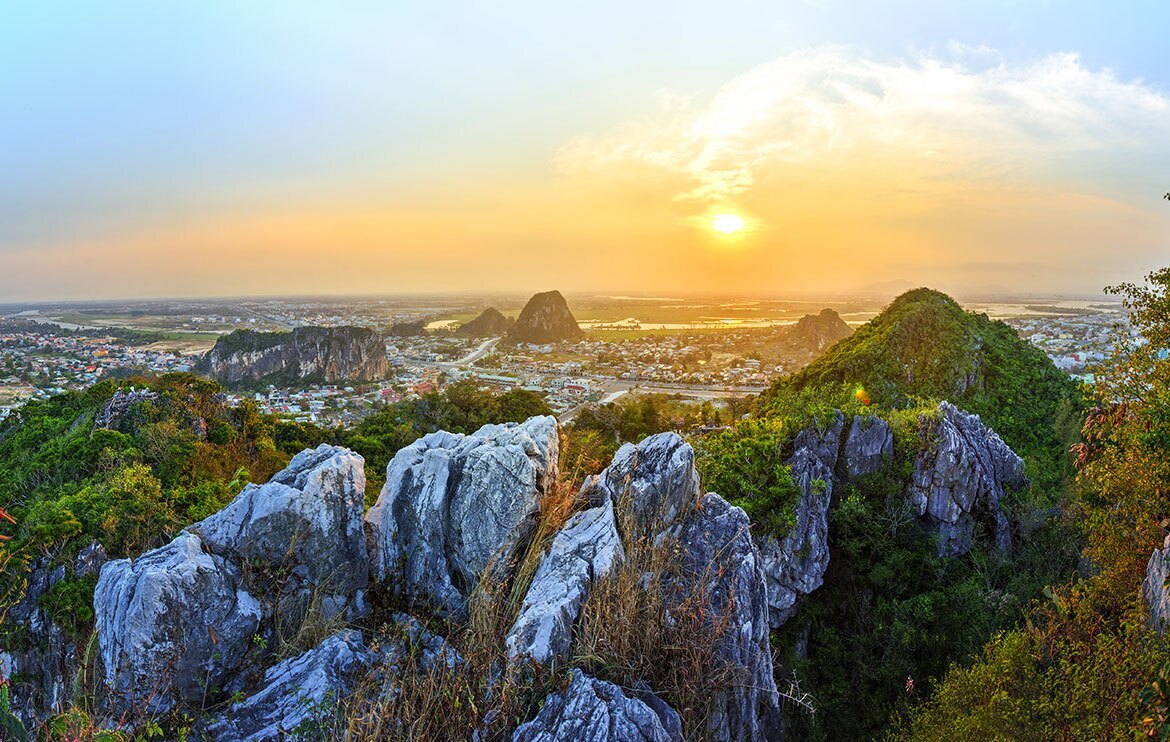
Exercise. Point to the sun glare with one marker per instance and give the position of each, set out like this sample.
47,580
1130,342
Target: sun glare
727,223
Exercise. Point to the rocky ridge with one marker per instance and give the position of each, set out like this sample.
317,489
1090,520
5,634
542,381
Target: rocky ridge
187,622
327,354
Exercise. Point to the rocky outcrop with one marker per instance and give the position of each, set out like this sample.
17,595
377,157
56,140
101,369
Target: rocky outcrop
961,478
178,623
41,665
490,323
867,447
597,711
453,504
1154,587
656,478
719,557
172,624
408,329
119,404
795,564
545,319
298,698
585,549
326,354
308,520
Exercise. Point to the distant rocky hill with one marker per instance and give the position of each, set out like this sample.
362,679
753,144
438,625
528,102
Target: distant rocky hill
545,319
323,354
818,331
490,323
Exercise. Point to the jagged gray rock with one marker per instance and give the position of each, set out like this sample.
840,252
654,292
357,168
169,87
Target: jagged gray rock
585,549
961,478
795,564
455,504
719,557
597,711
868,445
172,623
1154,586
307,518
298,697
658,477
48,656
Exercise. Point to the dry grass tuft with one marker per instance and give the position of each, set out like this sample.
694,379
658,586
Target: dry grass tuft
641,627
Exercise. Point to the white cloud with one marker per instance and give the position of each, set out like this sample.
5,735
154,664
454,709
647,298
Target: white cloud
938,119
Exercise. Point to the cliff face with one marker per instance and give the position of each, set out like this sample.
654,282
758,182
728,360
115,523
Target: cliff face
545,319
490,323
327,354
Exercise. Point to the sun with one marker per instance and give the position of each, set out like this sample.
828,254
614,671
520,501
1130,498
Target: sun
727,223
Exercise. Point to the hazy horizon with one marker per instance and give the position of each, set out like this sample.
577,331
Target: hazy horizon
192,152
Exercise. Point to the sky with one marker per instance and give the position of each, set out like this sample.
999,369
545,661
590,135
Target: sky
212,148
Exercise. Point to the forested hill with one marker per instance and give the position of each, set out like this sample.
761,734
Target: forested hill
925,346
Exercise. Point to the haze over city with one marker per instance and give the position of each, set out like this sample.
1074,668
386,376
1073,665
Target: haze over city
218,149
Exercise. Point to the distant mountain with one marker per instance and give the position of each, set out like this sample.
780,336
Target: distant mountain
815,332
321,354
924,346
545,319
490,323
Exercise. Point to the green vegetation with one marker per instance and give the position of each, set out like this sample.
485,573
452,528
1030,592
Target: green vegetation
924,346
1085,663
745,465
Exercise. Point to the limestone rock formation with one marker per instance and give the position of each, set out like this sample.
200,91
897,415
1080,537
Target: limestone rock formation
815,332
48,656
307,518
657,477
326,354
119,405
585,549
296,693
489,323
1154,586
172,623
720,558
453,504
795,564
869,444
545,319
177,623
961,479
597,711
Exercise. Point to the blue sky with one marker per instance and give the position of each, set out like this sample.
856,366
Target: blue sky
119,119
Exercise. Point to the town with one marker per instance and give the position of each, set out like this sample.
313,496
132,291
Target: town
42,355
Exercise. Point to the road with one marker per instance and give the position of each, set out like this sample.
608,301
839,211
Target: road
485,348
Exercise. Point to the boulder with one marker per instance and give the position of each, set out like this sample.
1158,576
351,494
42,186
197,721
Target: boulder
298,697
960,479
172,624
585,549
868,445
657,476
597,711
1154,587
453,505
719,557
795,564
307,518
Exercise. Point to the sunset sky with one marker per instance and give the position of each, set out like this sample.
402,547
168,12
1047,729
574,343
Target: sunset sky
228,148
